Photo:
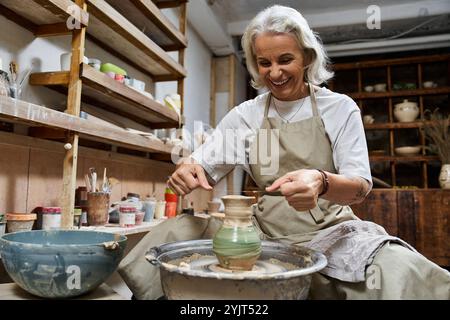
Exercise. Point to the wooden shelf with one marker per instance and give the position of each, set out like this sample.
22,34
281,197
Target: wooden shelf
399,93
146,16
162,4
387,62
116,34
115,228
36,15
395,125
104,92
416,158
35,115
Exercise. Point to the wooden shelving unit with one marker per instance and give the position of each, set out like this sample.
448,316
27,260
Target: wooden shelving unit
101,91
352,78
134,31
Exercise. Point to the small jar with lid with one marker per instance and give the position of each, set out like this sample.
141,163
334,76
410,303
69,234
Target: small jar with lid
51,218
127,215
77,217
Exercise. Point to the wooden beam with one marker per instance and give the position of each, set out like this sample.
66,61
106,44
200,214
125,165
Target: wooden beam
49,30
65,9
181,53
164,4
231,104
59,78
73,108
212,109
14,17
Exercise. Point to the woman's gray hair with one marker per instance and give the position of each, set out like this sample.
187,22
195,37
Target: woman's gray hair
280,19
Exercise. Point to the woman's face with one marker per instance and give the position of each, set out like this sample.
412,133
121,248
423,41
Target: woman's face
281,65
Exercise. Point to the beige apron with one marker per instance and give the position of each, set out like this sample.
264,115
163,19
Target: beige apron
302,145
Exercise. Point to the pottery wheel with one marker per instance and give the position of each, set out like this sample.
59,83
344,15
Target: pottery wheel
209,264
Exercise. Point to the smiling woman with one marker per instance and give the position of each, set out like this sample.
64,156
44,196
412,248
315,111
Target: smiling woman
322,167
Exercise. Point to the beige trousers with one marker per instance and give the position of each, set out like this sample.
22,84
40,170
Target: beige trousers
395,273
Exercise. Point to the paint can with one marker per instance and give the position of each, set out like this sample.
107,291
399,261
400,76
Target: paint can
51,218
127,215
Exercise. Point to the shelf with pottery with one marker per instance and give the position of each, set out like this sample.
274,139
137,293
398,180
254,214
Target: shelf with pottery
423,80
42,16
147,17
396,125
402,158
400,93
104,92
115,33
35,115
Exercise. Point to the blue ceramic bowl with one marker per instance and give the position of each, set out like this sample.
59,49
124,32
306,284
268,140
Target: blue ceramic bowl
61,263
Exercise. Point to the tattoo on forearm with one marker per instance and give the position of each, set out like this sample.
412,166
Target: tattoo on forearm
362,190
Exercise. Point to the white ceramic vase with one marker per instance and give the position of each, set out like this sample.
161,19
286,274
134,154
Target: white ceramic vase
444,176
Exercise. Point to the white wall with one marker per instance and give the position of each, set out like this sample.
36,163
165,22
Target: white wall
198,81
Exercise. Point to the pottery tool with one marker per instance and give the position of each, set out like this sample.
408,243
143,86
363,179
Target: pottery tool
93,179
87,182
13,69
25,77
105,184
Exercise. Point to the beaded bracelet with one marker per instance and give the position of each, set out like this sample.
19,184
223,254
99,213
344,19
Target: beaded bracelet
325,182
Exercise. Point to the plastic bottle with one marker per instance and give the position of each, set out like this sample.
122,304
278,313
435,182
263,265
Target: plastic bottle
149,208
171,203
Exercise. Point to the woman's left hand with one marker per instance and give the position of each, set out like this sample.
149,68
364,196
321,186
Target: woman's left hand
301,188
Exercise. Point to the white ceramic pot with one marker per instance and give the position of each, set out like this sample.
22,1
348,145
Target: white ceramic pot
66,59
444,176
380,87
368,119
406,111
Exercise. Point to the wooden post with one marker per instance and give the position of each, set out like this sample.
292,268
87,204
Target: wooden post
181,53
73,108
231,104
212,109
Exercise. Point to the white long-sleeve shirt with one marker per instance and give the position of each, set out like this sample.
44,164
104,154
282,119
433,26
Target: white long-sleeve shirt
341,117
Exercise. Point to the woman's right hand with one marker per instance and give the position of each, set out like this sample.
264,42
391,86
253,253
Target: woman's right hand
187,177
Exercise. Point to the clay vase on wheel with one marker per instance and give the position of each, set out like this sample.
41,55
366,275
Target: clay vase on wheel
236,244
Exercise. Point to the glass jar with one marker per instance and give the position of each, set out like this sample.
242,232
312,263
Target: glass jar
236,244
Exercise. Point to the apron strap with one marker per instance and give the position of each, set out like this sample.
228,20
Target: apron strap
315,110
266,108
